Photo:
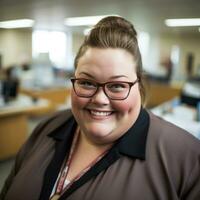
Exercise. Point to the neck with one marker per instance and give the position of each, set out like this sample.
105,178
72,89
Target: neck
84,154
86,145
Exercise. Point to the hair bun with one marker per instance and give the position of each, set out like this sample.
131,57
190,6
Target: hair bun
117,22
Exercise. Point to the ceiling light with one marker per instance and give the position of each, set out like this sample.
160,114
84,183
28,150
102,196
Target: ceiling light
84,21
183,22
20,23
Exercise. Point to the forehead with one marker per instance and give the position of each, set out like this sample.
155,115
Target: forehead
108,61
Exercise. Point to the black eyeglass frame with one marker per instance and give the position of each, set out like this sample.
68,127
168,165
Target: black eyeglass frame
98,85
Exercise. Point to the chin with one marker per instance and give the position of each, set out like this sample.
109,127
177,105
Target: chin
99,132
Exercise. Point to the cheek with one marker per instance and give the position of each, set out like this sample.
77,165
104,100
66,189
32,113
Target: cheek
129,104
122,106
78,102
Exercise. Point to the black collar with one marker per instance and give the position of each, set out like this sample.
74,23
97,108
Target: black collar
133,143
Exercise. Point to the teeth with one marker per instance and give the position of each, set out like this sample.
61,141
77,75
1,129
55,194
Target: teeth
100,113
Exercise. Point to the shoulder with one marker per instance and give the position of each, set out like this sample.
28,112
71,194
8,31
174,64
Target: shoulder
54,120
175,153
173,158
51,123
164,131
45,127
36,142
171,140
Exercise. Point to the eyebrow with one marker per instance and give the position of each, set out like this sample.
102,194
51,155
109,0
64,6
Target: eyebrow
112,77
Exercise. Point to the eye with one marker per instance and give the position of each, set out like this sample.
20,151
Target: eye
86,84
117,87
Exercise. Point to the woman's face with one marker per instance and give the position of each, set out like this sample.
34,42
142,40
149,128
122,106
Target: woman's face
102,120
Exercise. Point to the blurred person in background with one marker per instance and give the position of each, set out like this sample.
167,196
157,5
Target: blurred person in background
10,84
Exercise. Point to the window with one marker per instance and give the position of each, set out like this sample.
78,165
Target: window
55,44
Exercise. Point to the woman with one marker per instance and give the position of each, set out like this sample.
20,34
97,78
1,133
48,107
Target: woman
108,146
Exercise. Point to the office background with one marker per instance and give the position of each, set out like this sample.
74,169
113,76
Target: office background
41,57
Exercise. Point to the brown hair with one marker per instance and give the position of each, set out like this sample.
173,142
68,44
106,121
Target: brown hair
115,32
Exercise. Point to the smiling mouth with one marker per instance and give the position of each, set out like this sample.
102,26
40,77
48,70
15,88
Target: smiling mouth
98,113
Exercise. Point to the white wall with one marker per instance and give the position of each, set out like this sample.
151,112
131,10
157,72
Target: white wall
160,46
15,46
187,44
77,40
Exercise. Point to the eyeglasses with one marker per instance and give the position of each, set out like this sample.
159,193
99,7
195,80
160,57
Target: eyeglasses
114,90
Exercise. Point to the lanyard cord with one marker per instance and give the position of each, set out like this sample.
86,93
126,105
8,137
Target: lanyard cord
61,186
64,172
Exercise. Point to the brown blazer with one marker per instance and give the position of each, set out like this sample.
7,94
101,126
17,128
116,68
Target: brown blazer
154,160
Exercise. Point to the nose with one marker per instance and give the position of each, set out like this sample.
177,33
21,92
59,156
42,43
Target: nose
100,97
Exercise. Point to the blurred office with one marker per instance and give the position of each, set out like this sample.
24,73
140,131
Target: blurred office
36,61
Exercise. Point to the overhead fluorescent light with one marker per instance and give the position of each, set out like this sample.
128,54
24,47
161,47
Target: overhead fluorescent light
20,23
84,21
183,22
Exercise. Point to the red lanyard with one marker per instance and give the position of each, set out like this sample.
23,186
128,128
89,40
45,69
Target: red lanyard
61,182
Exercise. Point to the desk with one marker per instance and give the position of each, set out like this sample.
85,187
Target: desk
158,93
13,133
14,123
55,95
179,114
